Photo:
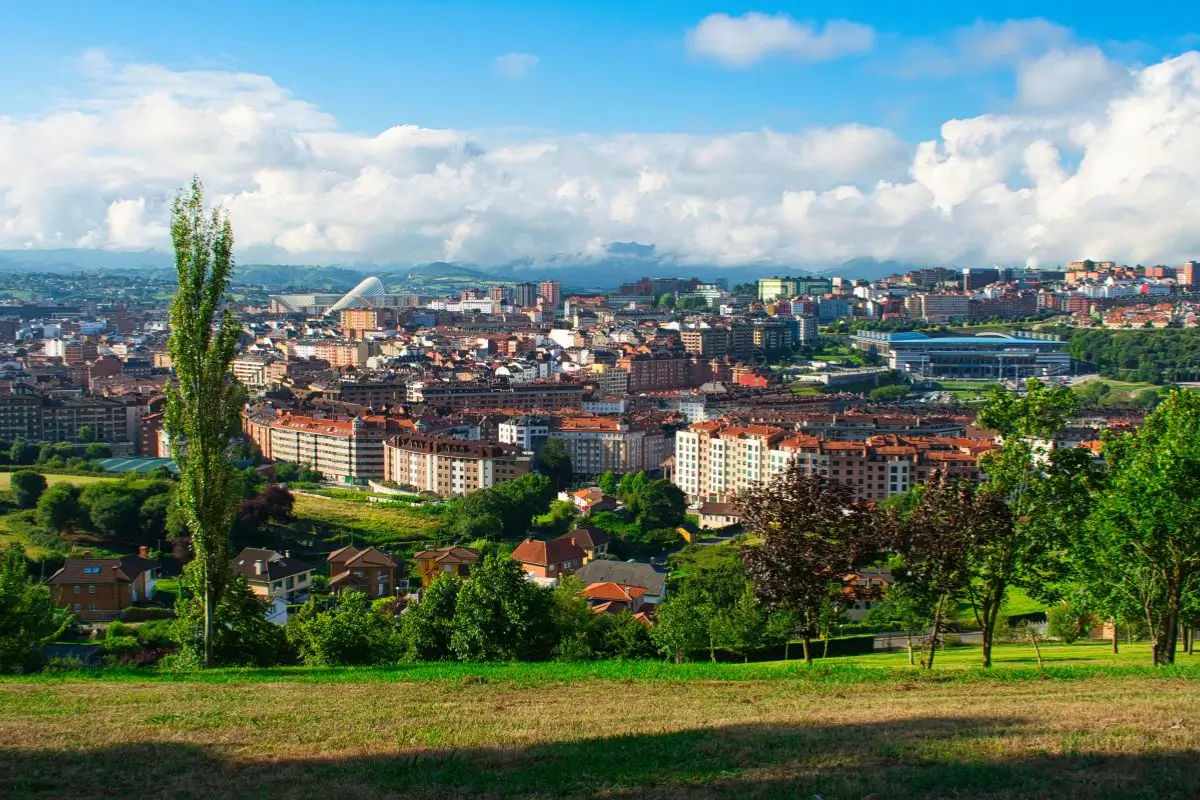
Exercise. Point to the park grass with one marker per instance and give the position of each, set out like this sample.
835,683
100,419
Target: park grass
607,729
806,389
382,525
52,479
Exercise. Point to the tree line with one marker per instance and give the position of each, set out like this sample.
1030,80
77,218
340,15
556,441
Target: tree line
1114,539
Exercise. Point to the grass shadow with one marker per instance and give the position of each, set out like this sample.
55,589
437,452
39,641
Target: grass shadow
925,757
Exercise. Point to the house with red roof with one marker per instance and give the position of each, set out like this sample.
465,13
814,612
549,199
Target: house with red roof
609,598
549,560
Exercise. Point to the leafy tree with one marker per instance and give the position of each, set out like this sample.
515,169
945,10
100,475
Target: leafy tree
203,409
501,615
631,486
621,636
906,607
558,519
888,394
954,527
22,453
27,487
242,635
1141,547
153,516
681,626
814,533
1019,471
111,508
58,508
279,502
97,451
555,463
608,483
741,627
660,504
1067,621
429,624
86,433
29,617
666,301
352,632
577,627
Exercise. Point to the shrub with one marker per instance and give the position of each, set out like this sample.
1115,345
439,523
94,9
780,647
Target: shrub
144,614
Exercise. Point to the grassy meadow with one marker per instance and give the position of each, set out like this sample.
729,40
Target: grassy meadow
339,521
847,728
52,479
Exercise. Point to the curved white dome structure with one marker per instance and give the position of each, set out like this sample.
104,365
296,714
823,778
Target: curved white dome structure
359,296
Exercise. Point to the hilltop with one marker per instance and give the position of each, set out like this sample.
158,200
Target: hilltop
605,729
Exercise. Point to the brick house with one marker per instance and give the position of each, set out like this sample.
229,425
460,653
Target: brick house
549,560
101,588
370,571
445,560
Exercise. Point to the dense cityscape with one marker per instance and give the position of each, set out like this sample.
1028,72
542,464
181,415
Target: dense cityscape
518,401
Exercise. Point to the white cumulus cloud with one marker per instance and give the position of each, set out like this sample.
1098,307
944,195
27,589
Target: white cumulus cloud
514,65
752,37
1114,178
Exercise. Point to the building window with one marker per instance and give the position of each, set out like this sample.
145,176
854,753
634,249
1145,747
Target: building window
76,587
91,588
93,607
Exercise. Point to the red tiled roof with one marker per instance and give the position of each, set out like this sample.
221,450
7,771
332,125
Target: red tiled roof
617,592
542,553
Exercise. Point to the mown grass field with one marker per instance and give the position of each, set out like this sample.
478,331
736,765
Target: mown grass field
647,729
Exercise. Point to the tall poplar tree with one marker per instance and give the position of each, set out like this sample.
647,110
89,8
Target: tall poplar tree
202,411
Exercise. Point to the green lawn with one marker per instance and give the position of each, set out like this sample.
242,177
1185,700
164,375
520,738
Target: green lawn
1023,656
605,730
51,479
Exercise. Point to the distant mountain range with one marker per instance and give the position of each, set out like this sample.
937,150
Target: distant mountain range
622,262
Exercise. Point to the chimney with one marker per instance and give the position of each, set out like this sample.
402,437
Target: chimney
144,551
258,567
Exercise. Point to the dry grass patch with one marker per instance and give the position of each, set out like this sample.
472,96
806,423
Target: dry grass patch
1101,737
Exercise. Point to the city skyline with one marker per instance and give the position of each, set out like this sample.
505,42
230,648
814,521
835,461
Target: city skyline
720,136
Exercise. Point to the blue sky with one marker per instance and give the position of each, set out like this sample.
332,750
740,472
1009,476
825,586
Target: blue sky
601,66
730,134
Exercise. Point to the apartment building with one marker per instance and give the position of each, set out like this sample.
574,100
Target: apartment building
251,371
551,293
717,463
526,432
341,450
603,444
36,416
651,371
355,322
449,466
938,307
532,396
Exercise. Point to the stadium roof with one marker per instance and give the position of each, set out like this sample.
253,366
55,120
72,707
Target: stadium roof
360,296
137,464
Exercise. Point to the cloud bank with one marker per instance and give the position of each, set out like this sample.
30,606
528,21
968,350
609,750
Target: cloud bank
1114,177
